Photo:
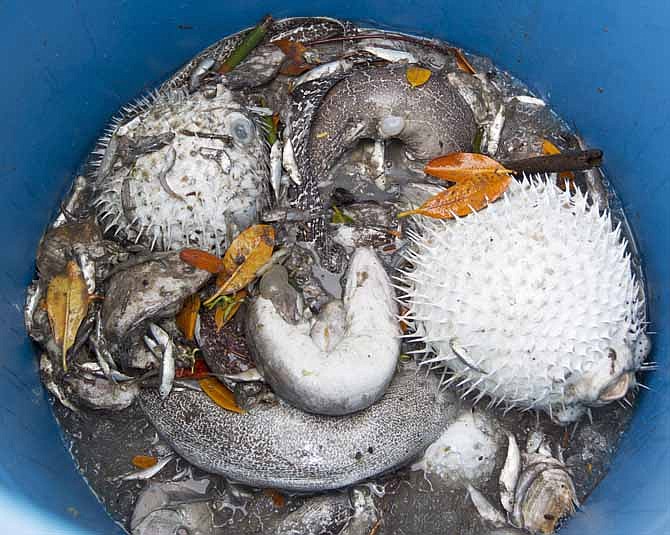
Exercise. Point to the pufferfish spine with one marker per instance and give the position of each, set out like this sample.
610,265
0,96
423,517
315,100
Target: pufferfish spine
181,170
531,302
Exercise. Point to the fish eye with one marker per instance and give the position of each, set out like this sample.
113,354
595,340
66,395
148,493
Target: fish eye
241,128
182,530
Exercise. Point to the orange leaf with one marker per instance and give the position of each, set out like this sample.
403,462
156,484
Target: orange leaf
462,62
278,498
294,68
549,148
295,50
464,197
463,166
202,260
417,76
225,311
188,316
199,370
249,252
144,461
219,394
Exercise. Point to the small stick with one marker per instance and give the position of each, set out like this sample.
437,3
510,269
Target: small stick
575,160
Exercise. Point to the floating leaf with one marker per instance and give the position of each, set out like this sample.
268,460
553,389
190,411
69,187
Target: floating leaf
278,499
249,252
144,461
219,394
199,370
417,76
340,218
462,62
67,305
202,260
227,307
250,41
464,166
549,148
461,199
188,316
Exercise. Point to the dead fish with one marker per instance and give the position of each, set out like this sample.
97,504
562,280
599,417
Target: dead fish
301,451
309,366
325,70
161,345
76,204
146,473
509,474
154,288
258,68
99,393
48,380
276,168
320,515
200,70
390,54
487,511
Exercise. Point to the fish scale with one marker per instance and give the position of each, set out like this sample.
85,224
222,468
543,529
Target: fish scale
279,446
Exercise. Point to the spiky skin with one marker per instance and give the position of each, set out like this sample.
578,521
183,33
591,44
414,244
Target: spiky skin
531,301
212,187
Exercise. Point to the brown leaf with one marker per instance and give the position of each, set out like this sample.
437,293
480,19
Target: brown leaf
144,461
278,499
462,62
417,76
463,166
549,148
461,199
219,394
202,260
249,252
188,315
67,305
294,68
295,63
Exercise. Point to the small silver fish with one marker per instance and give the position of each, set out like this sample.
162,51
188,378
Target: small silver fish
289,163
200,70
276,169
325,70
163,348
509,475
390,54
146,473
485,509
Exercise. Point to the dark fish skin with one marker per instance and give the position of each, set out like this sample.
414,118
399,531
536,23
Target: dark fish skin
282,447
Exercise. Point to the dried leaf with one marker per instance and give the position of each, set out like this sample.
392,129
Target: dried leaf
249,252
67,305
144,461
278,499
219,394
199,370
463,166
549,148
293,68
461,199
294,50
250,41
227,307
462,62
202,260
188,316
417,76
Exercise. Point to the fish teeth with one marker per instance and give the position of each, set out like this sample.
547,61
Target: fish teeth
539,287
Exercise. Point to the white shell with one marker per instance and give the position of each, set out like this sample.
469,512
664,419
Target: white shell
539,291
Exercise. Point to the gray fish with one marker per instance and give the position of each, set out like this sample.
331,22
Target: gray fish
151,289
282,447
321,515
330,116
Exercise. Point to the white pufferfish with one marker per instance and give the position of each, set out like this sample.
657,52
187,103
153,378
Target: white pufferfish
531,302
181,170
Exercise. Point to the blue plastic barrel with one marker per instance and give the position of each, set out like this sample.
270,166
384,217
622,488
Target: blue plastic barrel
67,67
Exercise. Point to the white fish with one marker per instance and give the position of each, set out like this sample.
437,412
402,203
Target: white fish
289,163
276,153
163,349
251,375
485,509
527,99
509,475
495,131
146,473
390,54
324,70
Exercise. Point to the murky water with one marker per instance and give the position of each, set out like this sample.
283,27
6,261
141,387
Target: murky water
406,501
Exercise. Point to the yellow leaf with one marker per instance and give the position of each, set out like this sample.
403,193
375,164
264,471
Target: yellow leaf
144,461
462,62
249,252
219,394
549,148
461,199
417,76
227,309
67,305
463,166
188,315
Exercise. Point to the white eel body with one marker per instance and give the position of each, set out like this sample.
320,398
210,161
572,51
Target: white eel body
343,361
